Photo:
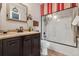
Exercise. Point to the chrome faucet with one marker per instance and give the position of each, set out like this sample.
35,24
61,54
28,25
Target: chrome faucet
20,29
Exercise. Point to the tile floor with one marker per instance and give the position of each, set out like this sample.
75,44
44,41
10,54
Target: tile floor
54,53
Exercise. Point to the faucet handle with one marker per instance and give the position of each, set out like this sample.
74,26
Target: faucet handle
21,28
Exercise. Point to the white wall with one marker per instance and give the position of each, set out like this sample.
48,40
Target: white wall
33,9
35,12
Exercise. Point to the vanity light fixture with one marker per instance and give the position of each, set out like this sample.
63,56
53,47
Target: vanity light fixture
56,18
49,16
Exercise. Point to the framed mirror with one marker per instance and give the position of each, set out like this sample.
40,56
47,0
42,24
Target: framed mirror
17,12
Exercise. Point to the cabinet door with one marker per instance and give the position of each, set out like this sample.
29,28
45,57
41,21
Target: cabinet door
36,45
11,46
27,46
0,47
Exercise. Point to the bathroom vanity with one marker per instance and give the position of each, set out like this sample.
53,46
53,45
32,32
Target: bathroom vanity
20,44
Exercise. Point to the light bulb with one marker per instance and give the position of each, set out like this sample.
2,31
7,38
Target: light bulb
55,17
50,16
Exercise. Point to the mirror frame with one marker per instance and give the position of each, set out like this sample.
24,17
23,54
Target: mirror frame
8,10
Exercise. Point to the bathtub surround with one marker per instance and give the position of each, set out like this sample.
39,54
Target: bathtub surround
66,50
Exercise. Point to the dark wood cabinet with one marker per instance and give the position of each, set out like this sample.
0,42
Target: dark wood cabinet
11,47
0,47
27,46
32,45
36,45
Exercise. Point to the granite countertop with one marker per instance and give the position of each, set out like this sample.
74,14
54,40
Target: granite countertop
15,34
